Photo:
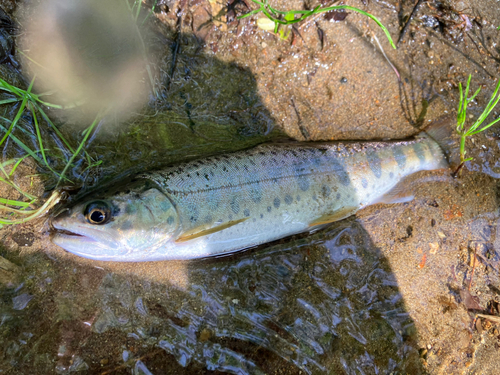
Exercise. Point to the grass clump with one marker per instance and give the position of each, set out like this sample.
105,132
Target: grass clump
277,18
477,127
27,207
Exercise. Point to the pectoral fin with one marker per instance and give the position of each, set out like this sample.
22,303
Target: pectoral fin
335,216
204,231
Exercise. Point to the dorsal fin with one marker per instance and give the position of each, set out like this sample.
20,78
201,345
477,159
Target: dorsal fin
204,231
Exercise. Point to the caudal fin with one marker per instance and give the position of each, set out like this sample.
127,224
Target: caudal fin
443,132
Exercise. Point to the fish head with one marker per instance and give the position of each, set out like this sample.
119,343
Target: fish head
127,226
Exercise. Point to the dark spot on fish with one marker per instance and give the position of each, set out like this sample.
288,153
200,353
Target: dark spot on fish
170,220
235,205
391,175
375,163
399,156
276,202
325,190
193,210
288,199
340,172
338,196
256,194
420,151
364,183
198,174
268,208
261,216
303,182
246,212
224,169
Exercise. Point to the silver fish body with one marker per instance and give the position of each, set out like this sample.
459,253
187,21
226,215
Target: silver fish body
230,202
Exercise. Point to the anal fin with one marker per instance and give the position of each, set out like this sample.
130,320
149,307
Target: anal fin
335,216
399,194
204,231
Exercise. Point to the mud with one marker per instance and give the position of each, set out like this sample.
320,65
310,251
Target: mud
386,291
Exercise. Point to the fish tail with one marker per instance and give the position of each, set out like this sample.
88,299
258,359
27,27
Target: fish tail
442,131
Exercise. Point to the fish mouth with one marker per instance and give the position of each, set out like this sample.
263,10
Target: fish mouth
81,240
63,233
66,234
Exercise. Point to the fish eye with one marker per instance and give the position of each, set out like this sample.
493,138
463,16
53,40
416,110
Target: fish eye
97,212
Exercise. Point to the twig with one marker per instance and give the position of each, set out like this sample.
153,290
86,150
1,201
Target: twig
473,268
493,318
405,28
383,53
175,51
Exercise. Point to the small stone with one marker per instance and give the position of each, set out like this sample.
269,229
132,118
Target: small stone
235,301
441,235
264,44
429,346
423,353
104,361
265,24
434,247
343,80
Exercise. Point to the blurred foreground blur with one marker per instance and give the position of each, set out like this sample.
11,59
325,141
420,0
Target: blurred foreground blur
89,53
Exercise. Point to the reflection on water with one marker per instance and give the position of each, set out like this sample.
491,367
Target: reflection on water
321,303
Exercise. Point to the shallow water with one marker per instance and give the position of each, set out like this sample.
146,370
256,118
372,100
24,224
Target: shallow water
328,302
378,293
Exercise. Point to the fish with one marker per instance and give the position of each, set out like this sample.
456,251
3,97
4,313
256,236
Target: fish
221,204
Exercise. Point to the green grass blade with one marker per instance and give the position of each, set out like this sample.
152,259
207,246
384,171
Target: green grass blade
51,202
16,119
82,143
14,203
59,134
8,101
18,162
23,146
40,142
486,127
